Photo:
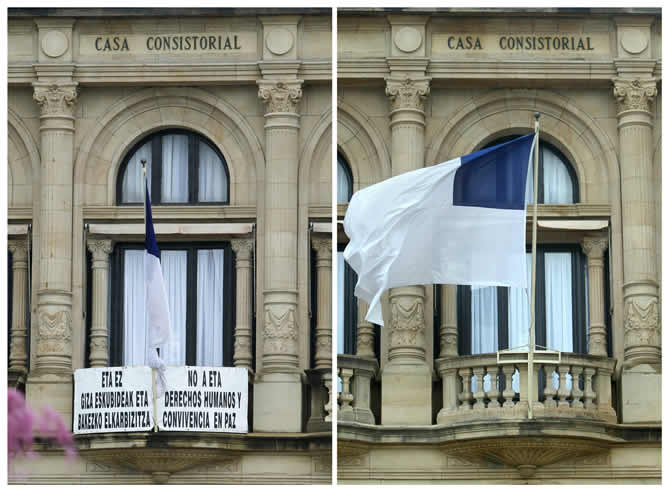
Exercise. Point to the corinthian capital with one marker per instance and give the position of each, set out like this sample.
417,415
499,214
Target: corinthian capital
634,94
55,99
323,246
242,248
594,247
100,249
19,250
280,96
407,93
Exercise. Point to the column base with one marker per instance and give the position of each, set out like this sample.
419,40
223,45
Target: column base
278,403
406,393
51,390
641,395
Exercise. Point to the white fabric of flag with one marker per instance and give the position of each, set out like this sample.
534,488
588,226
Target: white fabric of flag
157,306
460,222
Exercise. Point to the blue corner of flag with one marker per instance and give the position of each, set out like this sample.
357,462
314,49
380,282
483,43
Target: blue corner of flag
495,177
151,243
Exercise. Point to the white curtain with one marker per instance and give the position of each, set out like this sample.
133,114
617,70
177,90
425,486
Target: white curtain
519,318
212,178
484,326
558,188
559,305
342,184
132,188
340,304
210,305
174,266
135,332
174,168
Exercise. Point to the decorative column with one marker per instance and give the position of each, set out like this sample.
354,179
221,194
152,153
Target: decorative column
448,339
278,390
642,329
323,330
18,356
406,378
99,332
51,380
243,251
594,248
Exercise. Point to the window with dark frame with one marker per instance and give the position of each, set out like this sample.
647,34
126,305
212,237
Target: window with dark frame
203,342
344,181
183,167
545,301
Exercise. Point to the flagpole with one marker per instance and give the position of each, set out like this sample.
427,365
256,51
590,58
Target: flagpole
534,234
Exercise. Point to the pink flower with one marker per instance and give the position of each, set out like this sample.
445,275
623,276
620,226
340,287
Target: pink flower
22,422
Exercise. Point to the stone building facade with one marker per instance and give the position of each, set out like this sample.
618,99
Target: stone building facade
425,398
250,91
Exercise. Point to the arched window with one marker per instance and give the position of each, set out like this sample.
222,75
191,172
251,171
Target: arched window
344,180
496,318
181,167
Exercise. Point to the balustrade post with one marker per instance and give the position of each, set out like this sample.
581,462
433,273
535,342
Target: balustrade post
576,371
589,393
508,391
451,387
479,394
549,391
346,412
493,393
465,396
603,389
563,392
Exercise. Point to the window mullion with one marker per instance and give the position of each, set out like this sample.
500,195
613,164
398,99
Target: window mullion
502,309
193,169
540,313
156,170
464,319
191,307
229,313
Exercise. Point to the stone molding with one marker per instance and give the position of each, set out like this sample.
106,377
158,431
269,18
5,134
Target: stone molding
634,95
280,96
56,99
407,93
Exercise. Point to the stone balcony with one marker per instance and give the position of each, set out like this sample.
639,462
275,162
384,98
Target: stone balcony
485,409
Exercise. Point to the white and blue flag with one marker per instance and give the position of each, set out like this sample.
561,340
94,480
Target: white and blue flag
157,307
461,222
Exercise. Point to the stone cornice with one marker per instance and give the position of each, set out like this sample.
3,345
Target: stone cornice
163,213
165,74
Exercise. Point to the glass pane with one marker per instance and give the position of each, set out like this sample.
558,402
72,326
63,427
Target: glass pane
135,319
340,282
558,187
174,168
343,191
210,307
484,320
212,178
132,185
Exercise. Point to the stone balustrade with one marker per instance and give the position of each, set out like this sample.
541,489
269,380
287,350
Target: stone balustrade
478,387
354,393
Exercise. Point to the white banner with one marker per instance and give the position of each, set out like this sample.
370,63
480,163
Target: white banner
113,399
211,399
